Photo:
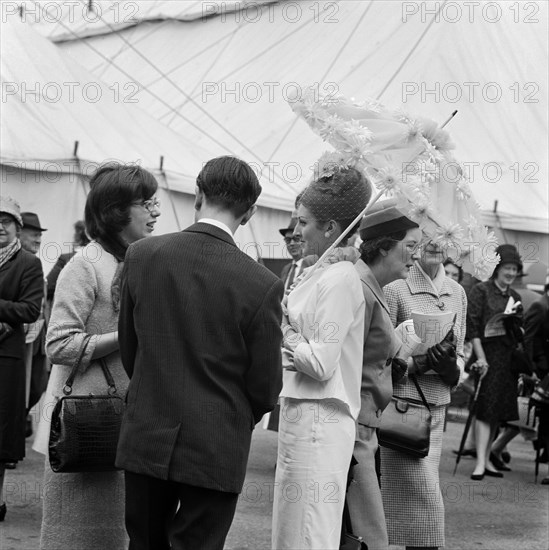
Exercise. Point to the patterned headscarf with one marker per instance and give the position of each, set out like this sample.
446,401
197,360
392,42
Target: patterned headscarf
7,252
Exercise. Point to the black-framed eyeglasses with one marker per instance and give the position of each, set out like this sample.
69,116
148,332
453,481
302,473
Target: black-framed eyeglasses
289,240
151,204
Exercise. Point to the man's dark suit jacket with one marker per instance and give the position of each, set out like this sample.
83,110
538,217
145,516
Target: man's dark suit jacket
53,275
308,261
536,335
200,338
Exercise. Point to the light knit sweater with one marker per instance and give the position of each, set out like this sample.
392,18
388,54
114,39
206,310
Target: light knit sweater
81,510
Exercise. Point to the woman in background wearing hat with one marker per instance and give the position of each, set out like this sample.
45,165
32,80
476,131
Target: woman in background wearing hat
389,244
410,487
322,356
497,399
21,292
86,510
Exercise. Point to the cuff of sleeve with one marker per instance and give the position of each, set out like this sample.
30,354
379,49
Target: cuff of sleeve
302,357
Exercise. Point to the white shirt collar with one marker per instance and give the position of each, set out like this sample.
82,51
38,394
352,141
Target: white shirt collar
217,223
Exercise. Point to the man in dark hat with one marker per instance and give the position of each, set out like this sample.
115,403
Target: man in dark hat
31,233
293,245
31,238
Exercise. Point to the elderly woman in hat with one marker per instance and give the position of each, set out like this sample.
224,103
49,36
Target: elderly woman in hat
497,399
410,486
387,252
21,292
320,398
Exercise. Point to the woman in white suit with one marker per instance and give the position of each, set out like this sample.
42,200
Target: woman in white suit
320,399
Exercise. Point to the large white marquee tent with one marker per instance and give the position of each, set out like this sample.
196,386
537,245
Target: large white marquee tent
219,74
60,122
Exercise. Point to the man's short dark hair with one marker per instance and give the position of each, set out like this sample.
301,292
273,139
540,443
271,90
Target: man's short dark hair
230,183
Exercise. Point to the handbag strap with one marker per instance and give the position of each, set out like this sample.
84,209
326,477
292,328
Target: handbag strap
67,388
420,391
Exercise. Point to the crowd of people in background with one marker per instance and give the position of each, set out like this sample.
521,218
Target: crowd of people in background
318,342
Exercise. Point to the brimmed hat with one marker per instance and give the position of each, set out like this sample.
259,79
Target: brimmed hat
10,206
291,227
383,219
509,255
31,221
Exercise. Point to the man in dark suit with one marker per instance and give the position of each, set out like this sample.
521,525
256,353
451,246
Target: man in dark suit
35,333
293,269
200,339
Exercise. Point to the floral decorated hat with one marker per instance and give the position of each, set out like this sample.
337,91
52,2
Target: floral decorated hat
408,159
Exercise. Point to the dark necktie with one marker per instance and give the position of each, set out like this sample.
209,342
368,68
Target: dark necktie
291,276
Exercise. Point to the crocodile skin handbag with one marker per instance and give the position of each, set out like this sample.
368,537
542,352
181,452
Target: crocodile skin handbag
85,428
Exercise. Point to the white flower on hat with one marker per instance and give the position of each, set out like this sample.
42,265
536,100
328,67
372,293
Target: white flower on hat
414,130
448,234
357,148
389,179
420,210
355,129
463,189
328,163
330,126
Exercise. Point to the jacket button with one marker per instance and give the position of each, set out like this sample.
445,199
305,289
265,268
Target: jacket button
389,361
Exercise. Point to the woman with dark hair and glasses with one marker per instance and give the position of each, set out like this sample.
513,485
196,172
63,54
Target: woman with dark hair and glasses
86,510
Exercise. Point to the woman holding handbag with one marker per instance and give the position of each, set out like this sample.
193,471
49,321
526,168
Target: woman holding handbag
389,244
322,356
497,399
410,486
86,510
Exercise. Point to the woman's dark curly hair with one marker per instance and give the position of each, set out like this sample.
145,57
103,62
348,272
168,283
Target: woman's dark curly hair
370,250
114,187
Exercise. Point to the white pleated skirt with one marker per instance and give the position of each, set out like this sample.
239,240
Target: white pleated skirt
315,446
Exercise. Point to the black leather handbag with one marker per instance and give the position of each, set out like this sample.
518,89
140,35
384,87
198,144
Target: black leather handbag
406,425
85,428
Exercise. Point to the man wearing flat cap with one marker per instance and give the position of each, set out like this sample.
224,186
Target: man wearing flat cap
35,356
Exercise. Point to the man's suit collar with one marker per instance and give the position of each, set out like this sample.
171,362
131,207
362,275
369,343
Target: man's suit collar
212,230
368,278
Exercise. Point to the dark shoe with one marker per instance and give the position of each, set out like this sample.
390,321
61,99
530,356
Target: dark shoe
545,481
489,473
10,465
466,452
498,463
3,511
477,477
506,457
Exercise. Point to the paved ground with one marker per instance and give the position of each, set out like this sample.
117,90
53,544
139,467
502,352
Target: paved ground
508,514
